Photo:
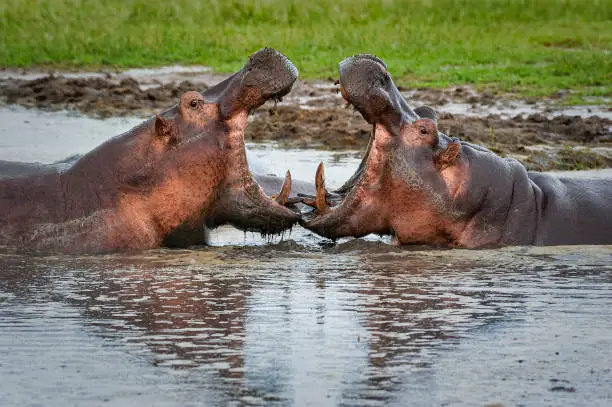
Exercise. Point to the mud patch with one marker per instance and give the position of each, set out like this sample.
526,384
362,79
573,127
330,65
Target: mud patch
99,97
559,143
458,94
533,129
544,158
156,87
540,143
332,128
312,116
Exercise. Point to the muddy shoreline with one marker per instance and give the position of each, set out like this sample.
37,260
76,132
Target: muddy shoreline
540,135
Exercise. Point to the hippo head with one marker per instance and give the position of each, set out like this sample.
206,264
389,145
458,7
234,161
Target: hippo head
405,184
192,166
267,75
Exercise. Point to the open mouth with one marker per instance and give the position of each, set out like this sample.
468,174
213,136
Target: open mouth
362,85
268,75
366,85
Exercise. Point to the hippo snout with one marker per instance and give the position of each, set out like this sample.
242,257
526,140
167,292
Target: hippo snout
267,75
366,84
361,76
270,70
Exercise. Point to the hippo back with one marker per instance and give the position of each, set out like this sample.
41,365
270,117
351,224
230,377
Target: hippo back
28,200
12,169
574,210
17,169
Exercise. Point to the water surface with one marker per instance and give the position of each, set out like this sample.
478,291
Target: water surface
296,321
360,323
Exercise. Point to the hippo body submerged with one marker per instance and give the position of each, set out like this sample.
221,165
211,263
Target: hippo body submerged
48,176
87,207
12,169
573,210
507,205
132,191
423,187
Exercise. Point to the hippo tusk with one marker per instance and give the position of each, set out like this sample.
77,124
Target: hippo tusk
321,198
283,195
282,198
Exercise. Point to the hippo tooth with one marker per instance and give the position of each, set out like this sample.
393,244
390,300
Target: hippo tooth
321,198
283,195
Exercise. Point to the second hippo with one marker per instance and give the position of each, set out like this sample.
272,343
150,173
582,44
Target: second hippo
424,187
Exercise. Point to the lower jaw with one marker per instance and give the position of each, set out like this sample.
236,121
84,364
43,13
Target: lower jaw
244,205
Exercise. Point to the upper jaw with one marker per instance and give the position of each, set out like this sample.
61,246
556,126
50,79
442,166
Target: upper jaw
271,71
366,84
267,75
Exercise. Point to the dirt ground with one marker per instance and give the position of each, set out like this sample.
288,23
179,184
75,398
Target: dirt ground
100,97
562,142
314,116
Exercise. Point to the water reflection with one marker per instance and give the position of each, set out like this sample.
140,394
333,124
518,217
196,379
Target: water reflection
355,324
185,316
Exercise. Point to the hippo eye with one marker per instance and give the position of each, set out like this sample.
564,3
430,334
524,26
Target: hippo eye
423,131
195,102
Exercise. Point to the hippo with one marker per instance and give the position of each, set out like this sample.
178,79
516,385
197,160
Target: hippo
185,166
423,187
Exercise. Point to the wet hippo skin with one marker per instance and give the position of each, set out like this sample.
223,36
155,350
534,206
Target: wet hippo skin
135,189
424,187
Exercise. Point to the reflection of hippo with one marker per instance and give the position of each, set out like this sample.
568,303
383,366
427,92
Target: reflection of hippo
133,190
424,187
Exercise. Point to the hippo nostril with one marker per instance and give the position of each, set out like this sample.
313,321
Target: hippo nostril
193,103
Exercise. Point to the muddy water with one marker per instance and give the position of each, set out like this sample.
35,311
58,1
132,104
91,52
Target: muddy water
359,324
35,136
297,321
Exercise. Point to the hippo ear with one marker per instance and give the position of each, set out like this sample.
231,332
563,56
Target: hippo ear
165,130
426,112
449,156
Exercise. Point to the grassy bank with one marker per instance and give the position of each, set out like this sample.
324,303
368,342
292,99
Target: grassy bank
532,47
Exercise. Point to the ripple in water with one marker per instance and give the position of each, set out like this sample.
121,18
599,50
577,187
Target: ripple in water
357,323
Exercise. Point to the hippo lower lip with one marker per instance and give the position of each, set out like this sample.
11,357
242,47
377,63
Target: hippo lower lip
244,205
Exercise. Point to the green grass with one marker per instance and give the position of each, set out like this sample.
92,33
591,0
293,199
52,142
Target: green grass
531,47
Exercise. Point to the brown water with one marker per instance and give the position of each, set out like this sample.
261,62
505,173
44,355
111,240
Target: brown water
299,321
